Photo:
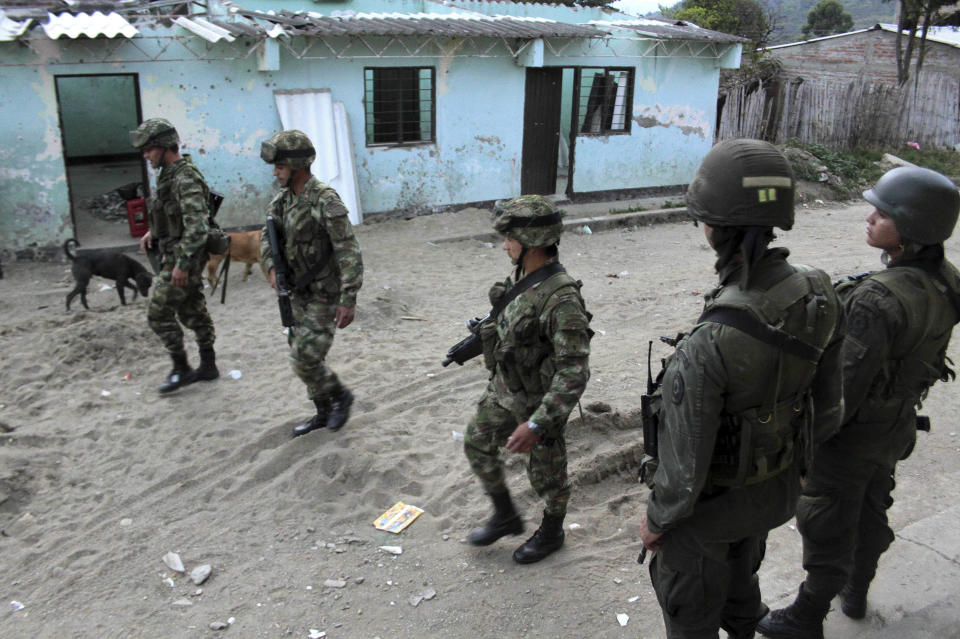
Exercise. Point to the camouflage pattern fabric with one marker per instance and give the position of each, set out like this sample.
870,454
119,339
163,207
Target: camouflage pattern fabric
154,132
309,343
511,215
168,303
316,230
541,349
546,466
178,214
842,512
178,220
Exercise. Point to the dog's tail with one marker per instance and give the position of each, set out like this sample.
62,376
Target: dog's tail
69,247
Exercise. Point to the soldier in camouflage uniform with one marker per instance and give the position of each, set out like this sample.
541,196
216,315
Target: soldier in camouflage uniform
326,271
537,351
744,395
178,218
899,324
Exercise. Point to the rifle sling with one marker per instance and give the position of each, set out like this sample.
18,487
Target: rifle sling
744,321
527,282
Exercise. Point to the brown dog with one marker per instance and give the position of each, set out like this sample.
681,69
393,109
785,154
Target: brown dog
244,247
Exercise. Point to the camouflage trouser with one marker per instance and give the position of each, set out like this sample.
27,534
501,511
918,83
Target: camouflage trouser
310,340
842,515
703,585
186,303
547,466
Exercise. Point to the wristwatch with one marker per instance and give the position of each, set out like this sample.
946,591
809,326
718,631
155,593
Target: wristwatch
534,427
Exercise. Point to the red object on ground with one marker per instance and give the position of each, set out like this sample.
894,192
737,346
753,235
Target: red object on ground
137,216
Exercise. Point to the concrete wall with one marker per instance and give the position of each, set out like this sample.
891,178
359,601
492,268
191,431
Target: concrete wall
223,107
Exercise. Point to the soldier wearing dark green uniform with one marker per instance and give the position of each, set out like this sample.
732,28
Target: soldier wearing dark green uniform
899,324
327,271
744,395
178,218
537,352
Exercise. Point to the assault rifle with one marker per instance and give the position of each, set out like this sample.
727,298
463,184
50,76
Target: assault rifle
282,274
470,346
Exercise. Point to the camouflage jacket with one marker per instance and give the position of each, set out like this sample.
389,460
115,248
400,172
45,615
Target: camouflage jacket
178,214
893,352
719,371
316,230
541,347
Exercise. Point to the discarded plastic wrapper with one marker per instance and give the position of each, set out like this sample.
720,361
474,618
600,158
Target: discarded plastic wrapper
235,374
398,517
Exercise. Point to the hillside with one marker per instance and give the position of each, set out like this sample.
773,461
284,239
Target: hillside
791,15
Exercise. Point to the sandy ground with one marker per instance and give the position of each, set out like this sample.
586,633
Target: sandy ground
100,477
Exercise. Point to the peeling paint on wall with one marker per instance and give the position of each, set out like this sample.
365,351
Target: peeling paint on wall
686,119
647,84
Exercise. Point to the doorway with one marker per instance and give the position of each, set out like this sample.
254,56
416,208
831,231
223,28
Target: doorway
548,138
97,112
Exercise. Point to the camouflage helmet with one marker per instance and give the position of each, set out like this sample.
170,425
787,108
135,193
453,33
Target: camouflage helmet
291,148
923,203
155,132
532,220
743,183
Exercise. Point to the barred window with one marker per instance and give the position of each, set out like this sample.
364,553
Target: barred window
399,105
606,96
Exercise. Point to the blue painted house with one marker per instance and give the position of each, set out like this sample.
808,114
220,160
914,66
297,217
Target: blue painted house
414,104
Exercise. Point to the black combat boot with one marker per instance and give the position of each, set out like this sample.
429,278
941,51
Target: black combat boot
853,601
803,619
181,375
208,366
505,521
317,421
546,540
340,403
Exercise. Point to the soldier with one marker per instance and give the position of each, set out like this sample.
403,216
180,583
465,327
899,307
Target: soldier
178,219
899,324
327,271
744,395
536,349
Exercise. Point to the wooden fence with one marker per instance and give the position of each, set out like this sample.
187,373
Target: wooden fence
844,115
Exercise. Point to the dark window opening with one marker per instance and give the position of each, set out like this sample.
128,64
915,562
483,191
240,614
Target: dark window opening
606,96
399,105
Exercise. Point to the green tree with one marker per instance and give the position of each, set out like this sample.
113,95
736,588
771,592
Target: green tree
827,18
914,15
745,18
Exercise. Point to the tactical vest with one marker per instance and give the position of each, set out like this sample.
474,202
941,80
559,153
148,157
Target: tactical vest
918,356
523,357
310,273
165,216
761,440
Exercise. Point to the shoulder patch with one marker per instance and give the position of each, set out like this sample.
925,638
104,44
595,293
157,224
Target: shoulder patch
678,387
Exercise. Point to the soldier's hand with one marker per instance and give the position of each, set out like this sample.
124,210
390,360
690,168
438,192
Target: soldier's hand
273,280
523,439
651,540
178,277
344,316
145,242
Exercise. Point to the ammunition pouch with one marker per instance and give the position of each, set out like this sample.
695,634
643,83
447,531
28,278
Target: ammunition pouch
218,242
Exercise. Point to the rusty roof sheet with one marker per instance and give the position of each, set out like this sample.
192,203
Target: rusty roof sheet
463,25
663,30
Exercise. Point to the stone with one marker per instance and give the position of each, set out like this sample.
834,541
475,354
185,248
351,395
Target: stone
335,583
200,574
393,550
219,625
173,562
182,602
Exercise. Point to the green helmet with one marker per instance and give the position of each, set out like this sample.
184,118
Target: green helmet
291,148
155,132
923,203
743,183
532,220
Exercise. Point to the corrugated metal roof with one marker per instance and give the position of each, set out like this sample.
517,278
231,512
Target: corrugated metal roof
74,25
12,29
205,29
414,24
944,35
662,29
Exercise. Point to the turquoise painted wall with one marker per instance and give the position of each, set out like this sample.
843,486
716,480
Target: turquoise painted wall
224,107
